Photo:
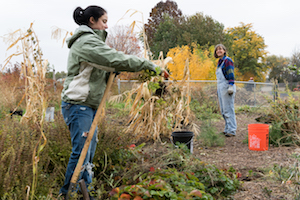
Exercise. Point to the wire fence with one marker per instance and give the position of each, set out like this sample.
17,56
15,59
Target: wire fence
248,93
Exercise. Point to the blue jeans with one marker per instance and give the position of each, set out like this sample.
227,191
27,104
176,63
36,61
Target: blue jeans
79,120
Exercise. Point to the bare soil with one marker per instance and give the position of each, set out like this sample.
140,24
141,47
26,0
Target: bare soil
253,165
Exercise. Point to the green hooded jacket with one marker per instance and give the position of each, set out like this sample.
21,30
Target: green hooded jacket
85,84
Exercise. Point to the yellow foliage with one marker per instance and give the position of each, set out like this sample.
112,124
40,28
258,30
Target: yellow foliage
249,52
202,66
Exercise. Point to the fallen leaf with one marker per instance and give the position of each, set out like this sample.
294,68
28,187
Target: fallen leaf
147,193
125,196
195,193
114,191
152,169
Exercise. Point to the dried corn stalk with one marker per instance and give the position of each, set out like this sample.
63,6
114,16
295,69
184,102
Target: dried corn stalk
33,71
154,116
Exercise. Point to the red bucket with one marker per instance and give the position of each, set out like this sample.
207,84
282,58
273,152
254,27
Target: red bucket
258,137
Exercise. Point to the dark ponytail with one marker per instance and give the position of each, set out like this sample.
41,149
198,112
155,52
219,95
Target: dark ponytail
82,17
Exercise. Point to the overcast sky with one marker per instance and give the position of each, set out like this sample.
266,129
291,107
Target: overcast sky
275,20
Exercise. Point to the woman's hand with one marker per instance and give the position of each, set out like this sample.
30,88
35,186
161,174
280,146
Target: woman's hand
165,73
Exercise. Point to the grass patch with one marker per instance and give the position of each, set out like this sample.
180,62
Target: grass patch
247,109
118,109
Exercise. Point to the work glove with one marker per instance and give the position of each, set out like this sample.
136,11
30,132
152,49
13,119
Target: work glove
152,69
165,73
230,90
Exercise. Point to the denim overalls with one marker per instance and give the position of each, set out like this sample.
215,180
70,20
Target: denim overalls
226,101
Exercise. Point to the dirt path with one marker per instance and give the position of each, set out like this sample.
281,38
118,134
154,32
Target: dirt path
251,164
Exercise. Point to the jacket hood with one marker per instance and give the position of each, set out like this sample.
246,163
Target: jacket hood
83,29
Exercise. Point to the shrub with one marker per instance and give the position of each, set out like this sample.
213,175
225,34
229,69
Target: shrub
210,137
285,119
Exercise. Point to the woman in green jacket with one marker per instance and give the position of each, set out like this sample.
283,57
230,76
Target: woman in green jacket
85,84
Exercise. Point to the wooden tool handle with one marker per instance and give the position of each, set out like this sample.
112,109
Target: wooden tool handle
92,130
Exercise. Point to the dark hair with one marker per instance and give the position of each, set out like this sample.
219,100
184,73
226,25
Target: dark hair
222,46
82,17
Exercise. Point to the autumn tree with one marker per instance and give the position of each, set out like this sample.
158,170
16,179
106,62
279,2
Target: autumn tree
123,39
11,75
162,11
248,51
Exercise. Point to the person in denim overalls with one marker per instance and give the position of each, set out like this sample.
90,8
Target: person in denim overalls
226,89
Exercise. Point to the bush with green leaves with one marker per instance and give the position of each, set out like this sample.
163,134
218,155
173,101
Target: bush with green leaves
279,136
284,115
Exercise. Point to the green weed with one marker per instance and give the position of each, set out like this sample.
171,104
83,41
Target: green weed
246,109
210,137
204,111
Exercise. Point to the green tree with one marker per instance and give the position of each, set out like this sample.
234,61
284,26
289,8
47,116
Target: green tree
295,67
278,66
168,28
61,74
49,73
162,11
200,29
248,50
166,36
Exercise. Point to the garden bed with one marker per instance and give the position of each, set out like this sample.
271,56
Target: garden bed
254,167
